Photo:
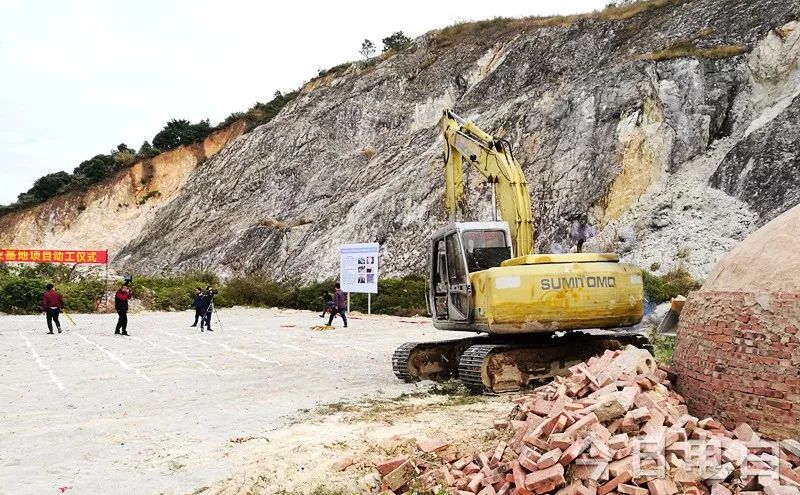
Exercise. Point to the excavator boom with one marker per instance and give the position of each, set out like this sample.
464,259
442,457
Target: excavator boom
492,157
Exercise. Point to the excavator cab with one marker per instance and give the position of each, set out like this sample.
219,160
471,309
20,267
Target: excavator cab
458,250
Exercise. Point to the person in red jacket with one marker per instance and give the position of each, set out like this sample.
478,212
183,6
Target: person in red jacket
52,304
121,304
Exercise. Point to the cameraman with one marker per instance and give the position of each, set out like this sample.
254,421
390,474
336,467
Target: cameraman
198,307
208,304
121,305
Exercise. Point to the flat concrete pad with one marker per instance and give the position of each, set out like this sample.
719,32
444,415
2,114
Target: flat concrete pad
152,413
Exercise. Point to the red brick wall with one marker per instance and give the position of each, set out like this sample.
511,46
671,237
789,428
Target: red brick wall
737,357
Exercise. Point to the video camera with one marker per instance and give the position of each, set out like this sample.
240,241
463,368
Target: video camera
128,280
212,291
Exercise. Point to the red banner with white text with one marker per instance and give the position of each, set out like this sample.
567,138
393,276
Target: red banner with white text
52,256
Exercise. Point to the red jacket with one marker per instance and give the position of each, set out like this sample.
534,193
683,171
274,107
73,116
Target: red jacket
121,300
52,299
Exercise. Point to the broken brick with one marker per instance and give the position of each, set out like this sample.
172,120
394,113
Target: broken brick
400,475
623,477
432,444
538,480
632,490
548,459
387,467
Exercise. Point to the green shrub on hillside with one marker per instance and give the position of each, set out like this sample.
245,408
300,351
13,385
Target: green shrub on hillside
261,113
21,295
662,289
396,296
173,293
46,272
94,169
395,41
21,291
146,151
179,132
83,296
48,186
309,296
256,291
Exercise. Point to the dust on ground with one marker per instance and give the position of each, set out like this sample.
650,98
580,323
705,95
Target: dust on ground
334,448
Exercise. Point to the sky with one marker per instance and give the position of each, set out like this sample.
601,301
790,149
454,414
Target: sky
77,78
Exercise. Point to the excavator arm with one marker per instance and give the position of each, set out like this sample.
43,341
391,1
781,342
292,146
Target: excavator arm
492,157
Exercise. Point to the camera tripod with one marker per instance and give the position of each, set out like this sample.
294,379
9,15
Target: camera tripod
212,310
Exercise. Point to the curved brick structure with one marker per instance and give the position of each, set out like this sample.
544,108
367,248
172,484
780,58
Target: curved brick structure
738,359
737,354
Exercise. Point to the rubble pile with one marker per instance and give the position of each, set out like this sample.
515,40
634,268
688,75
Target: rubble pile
614,425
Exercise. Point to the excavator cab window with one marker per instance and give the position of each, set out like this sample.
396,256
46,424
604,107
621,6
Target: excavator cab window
458,280
440,280
485,249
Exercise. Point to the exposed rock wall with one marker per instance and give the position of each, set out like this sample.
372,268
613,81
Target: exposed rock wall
357,157
763,169
616,142
746,175
111,213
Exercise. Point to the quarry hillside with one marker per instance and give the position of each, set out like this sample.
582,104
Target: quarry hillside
111,213
665,131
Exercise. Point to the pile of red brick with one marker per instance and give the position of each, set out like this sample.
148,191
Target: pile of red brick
614,425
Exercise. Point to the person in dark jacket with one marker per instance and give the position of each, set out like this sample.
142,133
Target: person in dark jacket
121,304
198,307
339,305
52,304
208,306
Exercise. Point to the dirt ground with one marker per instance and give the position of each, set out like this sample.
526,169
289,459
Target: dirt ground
265,404
333,449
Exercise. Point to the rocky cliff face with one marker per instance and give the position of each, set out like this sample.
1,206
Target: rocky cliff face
763,169
619,119
111,213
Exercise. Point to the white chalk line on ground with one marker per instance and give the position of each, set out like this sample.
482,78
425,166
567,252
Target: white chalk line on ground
38,360
290,346
272,342
224,346
340,346
115,358
181,354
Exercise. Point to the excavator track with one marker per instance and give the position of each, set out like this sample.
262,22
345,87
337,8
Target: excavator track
439,360
471,365
400,361
510,366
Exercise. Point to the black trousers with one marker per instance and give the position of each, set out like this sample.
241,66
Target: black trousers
340,312
207,319
122,322
52,316
198,314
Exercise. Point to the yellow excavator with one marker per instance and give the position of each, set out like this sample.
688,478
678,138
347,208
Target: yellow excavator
484,277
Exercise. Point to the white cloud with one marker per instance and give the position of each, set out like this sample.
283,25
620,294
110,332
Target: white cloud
80,77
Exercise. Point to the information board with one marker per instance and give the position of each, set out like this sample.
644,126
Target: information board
358,267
